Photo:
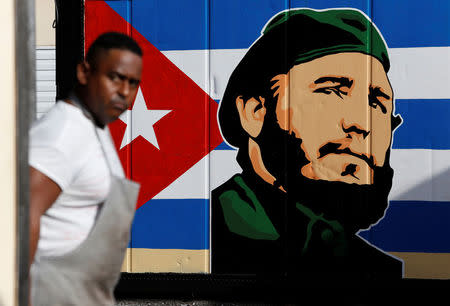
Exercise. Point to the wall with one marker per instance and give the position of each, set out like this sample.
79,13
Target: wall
45,56
45,14
8,281
187,166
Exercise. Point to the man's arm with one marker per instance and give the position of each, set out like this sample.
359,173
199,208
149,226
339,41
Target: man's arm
43,193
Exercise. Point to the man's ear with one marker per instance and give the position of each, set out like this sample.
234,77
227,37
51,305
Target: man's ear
83,71
251,114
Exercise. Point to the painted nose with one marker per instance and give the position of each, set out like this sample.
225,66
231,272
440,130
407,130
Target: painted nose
354,130
356,115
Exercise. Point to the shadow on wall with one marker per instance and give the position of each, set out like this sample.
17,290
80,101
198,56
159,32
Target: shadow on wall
435,186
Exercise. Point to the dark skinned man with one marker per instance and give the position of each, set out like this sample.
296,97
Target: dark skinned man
81,205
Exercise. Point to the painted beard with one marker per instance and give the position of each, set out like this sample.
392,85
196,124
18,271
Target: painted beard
354,206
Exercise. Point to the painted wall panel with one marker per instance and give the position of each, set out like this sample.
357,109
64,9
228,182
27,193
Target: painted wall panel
178,153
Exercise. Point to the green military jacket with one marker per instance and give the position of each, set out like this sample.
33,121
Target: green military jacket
257,229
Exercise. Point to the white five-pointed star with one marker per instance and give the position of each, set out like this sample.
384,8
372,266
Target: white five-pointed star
142,123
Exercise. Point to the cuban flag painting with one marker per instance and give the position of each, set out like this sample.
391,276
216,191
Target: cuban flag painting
170,140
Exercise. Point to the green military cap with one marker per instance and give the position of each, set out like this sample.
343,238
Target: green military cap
333,31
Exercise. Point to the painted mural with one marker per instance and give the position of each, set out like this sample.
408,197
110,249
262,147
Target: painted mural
285,138
311,113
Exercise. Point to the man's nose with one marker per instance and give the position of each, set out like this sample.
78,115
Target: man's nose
124,89
354,130
357,119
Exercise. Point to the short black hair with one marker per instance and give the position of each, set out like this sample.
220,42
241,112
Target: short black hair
111,40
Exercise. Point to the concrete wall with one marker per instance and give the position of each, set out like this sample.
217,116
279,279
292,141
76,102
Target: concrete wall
8,281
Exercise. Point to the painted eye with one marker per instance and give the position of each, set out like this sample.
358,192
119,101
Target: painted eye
373,104
329,90
375,93
377,104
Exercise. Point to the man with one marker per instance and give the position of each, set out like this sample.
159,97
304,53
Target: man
310,108
81,206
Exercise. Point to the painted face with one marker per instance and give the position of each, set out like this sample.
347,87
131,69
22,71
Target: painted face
340,106
112,85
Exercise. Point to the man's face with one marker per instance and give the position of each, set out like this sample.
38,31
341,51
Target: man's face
112,84
340,106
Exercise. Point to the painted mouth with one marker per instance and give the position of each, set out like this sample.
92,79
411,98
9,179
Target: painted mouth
335,148
350,169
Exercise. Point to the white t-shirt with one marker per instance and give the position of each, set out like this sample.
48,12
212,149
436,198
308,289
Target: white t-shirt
64,147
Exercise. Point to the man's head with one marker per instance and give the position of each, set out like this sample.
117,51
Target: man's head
311,105
341,114
109,77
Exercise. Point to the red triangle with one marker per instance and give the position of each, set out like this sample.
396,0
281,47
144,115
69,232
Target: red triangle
185,135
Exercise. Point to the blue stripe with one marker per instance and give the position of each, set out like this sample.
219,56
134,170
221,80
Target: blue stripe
413,226
409,226
172,224
121,7
413,23
182,25
425,125
169,25
224,146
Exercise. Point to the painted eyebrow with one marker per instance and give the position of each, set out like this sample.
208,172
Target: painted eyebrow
376,91
344,81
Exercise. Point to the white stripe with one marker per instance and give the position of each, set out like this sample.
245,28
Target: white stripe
223,166
419,175
194,64
193,183
416,73
420,73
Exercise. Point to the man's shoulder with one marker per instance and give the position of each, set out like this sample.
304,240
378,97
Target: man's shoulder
61,139
63,124
61,114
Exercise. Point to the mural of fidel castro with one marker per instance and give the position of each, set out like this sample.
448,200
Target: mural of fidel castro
310,109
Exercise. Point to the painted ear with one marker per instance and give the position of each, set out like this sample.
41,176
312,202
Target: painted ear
83,70
251,114
396,121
